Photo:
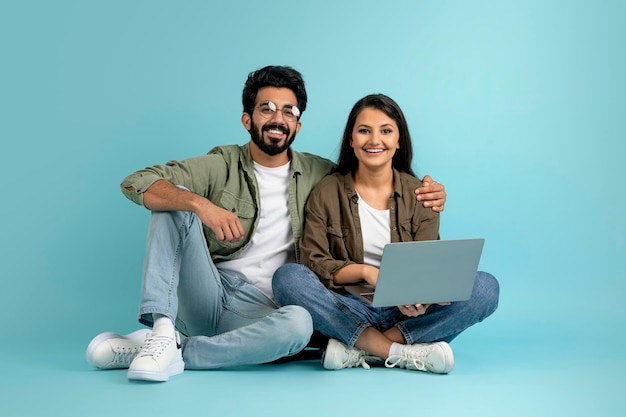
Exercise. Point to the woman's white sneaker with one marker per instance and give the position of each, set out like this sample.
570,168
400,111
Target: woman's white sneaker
431,357
159,358
340,356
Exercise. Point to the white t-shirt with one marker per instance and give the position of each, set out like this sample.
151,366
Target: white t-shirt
375,227
272,244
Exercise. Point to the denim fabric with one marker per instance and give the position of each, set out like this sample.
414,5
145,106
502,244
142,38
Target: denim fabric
227,321
342,316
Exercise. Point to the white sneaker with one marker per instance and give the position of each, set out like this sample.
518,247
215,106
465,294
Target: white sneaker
113,351
159,358
431,357
339,356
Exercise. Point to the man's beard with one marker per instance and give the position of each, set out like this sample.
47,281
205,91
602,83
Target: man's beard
270,148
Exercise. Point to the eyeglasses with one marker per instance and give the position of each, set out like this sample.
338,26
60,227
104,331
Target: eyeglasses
268,109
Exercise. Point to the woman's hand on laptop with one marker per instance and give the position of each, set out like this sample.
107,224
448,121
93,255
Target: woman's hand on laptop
413,310
416,310
370,275
356,273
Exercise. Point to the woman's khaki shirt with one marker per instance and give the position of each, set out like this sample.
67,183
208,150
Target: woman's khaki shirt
332,236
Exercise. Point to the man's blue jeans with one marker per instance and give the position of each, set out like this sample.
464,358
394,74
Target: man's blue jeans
342,316
228,321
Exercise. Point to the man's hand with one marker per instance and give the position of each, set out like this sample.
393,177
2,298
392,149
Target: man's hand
432,194
165,196
225,224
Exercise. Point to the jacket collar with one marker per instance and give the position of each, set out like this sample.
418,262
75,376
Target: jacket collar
348,184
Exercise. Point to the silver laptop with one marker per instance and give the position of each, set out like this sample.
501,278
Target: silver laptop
424,272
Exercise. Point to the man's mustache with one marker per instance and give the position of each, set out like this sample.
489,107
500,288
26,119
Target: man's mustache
275,126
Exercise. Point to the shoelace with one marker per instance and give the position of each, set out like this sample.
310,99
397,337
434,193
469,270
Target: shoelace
125,355
155,344
356,358
409,360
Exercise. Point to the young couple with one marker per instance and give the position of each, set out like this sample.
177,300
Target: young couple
228,228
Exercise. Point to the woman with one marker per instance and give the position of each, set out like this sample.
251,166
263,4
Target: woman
350,216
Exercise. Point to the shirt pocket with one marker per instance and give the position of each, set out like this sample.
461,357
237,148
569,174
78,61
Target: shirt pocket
245,210
337,236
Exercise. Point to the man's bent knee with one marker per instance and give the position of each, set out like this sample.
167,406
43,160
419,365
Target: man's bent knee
284,282
297,329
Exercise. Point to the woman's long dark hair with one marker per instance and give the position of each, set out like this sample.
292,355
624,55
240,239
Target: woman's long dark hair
403,157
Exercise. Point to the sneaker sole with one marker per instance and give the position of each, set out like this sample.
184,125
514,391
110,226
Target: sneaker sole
175,368
102,337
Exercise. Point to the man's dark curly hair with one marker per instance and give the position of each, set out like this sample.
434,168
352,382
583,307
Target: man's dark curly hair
273,76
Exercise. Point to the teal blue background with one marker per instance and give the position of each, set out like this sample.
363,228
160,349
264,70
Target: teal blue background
518,107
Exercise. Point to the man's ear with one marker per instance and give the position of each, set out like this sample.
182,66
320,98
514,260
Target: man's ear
246,121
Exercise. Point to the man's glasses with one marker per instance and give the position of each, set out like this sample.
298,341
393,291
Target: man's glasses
268,109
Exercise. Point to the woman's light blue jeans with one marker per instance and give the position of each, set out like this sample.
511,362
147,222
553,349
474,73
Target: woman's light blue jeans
227,321
342,316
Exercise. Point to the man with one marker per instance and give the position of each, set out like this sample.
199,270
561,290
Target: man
221,225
